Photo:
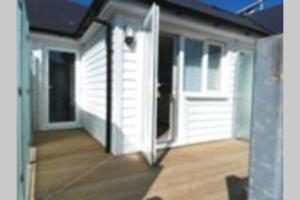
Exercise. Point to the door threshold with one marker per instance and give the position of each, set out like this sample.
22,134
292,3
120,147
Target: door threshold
164,144
62,127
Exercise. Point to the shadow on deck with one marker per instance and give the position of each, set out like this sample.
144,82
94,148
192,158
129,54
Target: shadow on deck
237,188
72,165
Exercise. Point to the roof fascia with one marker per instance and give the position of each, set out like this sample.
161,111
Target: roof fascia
106,13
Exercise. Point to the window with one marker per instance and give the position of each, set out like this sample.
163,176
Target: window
193,65
202,67
214,67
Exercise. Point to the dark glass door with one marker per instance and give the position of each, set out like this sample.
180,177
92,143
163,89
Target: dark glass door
164,101
61,86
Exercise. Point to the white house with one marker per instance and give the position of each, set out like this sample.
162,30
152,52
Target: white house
140,75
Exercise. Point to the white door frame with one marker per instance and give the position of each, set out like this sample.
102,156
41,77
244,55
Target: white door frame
148,139
46,125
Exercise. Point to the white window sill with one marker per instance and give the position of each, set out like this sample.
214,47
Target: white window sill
214,96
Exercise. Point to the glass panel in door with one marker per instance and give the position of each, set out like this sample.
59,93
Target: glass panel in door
244,96
61,87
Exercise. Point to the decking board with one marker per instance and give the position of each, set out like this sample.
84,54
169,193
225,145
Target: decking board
71,165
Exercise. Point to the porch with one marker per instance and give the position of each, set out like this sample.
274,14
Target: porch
71,165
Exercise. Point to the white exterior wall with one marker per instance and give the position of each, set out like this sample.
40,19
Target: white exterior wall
207,119
126,91
93,86
90,80
200,119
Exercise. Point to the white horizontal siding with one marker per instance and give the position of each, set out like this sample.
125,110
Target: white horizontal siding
93,86
212,119
130,92
199,120
117,66
126,92
202,119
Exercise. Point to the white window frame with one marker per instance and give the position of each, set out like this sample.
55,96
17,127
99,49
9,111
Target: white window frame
205,93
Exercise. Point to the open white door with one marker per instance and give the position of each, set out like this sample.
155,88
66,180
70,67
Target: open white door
151,28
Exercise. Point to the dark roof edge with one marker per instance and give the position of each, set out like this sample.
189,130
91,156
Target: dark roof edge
267,29
268,9
56,33
263,11
97,5
91,13
214,18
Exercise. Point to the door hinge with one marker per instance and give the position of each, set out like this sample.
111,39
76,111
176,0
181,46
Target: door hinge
20,91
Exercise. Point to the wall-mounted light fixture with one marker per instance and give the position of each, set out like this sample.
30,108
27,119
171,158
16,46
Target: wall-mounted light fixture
129,36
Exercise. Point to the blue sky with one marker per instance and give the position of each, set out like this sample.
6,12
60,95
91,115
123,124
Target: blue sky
230,5
83,2
234,5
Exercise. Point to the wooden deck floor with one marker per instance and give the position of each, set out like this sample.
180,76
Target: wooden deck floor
73,166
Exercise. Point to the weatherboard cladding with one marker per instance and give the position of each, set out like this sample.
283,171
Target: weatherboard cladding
93,86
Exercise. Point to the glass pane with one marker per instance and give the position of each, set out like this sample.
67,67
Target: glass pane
244,96
214,67
61,86
164,100
193,65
